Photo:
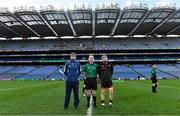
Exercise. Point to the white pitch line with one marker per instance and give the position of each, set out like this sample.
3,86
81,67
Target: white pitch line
25,87
89,110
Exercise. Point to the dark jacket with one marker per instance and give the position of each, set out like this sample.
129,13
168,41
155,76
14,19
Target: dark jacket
105,71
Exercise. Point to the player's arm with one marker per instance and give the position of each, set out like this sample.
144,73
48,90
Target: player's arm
84,76
79,69
152,74
84,72
98,79
98,72
156,76
65,69
112,69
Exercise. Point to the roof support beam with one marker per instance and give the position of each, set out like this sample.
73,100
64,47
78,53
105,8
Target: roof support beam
93,23
178,27
48,25
71,25
10,29
116,24
162,22
3,35
137,26
26,25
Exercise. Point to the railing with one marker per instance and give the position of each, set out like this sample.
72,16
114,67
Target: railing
137,6
24,9
107,6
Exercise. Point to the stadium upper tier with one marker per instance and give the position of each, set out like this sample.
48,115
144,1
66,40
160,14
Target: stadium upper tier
110,21
90,44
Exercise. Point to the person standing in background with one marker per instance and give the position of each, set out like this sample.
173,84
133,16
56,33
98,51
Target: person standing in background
154,78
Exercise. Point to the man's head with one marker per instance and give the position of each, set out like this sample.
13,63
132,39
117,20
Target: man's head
73,56
154,66
91,59
104,58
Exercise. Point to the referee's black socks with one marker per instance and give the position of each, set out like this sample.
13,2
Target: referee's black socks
88,100
94,99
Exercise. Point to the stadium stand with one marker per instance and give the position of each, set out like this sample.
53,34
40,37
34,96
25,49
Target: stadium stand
171,70
130,72
35,44
123,72
57,75
39,74
88,44
146,69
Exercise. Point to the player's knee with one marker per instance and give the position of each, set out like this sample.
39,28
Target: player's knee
93,92
102,91
88,93
111,91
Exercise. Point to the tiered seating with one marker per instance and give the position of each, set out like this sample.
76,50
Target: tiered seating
15,72
143,69
124,72
146,71
136,43
56,72
97,44
58,75
5,68
39,74
173,70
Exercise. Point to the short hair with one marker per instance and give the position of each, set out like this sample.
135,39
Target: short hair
73,54
103,55
91,54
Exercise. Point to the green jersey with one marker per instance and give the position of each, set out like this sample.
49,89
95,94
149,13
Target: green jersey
90,70
153,73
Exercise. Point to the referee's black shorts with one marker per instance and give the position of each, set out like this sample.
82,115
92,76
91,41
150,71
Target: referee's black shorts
106,84
91,83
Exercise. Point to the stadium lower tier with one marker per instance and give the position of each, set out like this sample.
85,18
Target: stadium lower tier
121,72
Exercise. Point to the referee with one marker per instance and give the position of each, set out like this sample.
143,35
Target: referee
105,72
154,78
90,76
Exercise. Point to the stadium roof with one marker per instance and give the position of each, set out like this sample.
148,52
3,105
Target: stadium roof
84,21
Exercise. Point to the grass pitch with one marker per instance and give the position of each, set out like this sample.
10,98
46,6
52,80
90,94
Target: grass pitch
130,98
